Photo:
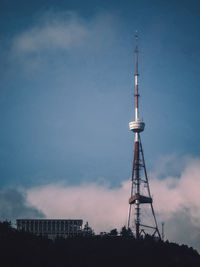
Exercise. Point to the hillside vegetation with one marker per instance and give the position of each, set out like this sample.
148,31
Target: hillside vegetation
24,249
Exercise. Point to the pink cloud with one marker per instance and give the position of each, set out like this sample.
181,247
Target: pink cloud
105,207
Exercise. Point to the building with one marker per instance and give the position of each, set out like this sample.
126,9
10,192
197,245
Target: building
51,228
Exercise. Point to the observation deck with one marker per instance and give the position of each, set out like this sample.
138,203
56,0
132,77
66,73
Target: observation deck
142,199
136,126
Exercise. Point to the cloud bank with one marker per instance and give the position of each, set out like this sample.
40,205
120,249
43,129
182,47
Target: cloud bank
102,206
176,201
13,205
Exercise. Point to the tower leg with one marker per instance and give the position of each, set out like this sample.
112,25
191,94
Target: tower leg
137,223
148,188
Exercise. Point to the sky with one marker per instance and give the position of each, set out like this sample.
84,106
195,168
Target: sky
66,98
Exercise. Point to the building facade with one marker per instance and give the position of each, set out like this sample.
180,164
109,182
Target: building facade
51,228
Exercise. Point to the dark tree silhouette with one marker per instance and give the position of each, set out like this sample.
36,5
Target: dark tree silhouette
24,249
126,232
113,232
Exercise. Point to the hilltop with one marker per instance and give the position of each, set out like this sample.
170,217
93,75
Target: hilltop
24,249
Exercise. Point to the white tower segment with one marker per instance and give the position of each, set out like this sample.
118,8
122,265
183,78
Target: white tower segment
136,126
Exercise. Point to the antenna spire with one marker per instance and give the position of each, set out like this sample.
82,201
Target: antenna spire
136,53
136,79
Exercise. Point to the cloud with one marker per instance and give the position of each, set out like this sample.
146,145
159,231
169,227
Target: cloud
62,32
13,205
102,206
61,40
176,202
65,31
173,194
179,227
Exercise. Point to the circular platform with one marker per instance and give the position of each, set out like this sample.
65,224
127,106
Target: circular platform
136,126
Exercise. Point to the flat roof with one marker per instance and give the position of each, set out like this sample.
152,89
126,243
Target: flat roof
49,220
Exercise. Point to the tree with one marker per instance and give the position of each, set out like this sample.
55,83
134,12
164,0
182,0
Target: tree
6,227
87,230
113,232
126,232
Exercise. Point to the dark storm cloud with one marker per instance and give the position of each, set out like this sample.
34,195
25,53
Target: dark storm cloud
13,205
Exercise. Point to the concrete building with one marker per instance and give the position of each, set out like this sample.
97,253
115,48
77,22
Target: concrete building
51,228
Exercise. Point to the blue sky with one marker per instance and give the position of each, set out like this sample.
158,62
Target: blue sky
66,98
66,104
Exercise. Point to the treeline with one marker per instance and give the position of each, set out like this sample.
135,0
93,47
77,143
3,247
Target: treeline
24,249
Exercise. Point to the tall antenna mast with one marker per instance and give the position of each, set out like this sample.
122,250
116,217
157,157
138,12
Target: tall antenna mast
139,183
136,78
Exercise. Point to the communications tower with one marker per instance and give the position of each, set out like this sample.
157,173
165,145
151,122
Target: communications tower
140,202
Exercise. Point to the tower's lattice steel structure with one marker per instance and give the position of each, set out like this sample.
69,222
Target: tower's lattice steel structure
140,199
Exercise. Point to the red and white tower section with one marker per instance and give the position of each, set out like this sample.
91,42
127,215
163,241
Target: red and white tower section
140,191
